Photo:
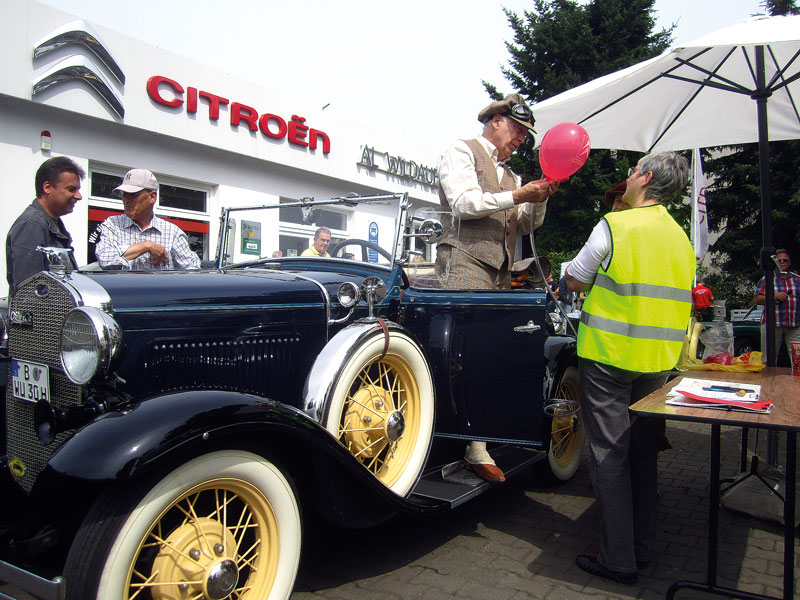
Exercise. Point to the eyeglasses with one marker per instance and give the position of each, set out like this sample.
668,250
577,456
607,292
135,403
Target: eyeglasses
632,170
783,260
521,112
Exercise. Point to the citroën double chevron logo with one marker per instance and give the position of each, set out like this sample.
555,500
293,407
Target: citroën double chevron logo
79,67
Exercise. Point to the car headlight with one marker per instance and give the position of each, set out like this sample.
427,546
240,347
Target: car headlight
348,294
90,339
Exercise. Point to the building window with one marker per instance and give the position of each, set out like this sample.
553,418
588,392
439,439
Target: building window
172,196
316,216
103,184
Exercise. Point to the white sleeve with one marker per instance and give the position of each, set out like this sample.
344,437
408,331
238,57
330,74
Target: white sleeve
459,182
596,252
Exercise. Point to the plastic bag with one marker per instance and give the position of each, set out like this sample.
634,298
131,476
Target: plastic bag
717,339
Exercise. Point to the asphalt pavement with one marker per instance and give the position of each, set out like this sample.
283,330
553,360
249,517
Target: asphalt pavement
520,540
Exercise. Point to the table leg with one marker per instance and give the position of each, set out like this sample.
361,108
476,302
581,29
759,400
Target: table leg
713,528
713,509
743,449
788,516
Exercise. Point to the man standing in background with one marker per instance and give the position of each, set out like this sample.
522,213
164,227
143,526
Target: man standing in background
787,305
322,239
702,298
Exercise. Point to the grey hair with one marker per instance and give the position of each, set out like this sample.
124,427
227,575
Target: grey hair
670,174
321,230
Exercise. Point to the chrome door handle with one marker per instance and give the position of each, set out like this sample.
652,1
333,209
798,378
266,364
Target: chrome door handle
529,328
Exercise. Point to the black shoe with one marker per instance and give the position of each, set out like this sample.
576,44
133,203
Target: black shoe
590,564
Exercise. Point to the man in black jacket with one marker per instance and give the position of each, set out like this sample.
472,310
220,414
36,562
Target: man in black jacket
58,182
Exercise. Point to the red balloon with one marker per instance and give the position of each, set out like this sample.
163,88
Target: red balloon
564,150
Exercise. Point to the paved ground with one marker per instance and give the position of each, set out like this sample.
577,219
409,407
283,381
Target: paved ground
520,541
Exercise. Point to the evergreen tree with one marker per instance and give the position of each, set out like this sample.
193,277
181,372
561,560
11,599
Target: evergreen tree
734,206
558,45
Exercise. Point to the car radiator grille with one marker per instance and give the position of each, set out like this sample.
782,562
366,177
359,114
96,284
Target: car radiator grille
37,344
253,365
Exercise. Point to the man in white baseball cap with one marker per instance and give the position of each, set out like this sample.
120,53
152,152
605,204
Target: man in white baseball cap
139,240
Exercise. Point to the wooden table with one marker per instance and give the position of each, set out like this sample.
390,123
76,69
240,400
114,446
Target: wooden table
783,389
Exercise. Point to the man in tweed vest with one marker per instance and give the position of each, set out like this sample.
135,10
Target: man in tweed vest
484,208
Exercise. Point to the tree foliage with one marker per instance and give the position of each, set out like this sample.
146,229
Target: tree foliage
560,44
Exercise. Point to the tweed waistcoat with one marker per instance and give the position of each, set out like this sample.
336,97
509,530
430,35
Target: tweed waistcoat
490,239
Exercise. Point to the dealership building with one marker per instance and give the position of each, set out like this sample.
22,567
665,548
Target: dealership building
112,103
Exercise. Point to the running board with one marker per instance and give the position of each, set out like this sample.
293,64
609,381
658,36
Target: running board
459,484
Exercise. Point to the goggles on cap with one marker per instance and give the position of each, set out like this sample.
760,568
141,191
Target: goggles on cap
521,112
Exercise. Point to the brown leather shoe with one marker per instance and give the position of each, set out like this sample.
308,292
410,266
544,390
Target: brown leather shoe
491,473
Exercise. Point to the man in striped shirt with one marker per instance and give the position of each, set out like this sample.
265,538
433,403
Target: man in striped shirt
139,240
787,305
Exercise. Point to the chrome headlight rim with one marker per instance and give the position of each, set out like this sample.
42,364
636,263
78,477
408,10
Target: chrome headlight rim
107,341
348,294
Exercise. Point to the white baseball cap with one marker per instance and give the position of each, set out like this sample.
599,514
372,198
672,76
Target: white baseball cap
137,180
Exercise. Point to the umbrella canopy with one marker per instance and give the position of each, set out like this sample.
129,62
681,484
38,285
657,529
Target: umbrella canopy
737,85
696,95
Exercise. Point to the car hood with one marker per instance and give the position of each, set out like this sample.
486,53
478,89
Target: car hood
161,289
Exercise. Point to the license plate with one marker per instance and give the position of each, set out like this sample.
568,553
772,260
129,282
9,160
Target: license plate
30,381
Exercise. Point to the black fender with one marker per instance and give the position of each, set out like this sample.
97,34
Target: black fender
559,352
161,432
125,444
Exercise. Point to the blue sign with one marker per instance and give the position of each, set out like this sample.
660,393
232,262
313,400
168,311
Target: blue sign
373,238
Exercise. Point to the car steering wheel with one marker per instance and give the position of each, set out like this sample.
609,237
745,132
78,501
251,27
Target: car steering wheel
365,245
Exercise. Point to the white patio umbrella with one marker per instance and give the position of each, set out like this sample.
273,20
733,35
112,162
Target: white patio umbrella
713,91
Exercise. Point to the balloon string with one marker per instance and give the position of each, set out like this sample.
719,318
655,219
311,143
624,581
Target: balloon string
548,289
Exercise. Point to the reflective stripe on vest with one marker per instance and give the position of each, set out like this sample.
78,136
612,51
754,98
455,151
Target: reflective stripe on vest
643,289
636,313
644,332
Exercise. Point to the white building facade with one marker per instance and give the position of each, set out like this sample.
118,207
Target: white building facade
112,103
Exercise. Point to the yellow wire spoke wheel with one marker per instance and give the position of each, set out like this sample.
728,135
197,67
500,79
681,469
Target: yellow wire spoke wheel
381,409
224,525
219,540
567,432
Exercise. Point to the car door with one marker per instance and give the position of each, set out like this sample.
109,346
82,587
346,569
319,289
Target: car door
487,354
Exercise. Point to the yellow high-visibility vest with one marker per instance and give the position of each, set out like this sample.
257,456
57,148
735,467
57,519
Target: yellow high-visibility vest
636,313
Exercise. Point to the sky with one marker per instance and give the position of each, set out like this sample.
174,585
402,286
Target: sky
411,69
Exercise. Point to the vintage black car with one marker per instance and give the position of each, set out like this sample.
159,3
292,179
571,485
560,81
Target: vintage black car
166,429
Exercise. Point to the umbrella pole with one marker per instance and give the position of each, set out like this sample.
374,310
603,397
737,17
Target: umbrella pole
767,251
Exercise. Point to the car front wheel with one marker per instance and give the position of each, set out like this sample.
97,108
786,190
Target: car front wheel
223,525
381,409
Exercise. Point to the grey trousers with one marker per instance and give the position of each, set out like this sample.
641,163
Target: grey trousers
623,463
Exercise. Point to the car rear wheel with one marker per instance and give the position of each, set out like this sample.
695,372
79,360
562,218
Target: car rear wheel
223,525
381,409
567,433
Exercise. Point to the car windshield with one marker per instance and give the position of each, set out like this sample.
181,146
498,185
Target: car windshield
383,230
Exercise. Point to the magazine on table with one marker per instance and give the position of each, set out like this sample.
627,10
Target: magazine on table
721,395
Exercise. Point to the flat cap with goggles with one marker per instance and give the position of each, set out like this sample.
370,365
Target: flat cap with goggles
512,106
